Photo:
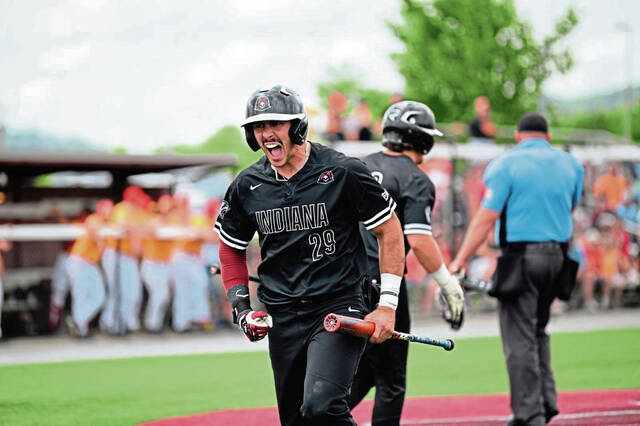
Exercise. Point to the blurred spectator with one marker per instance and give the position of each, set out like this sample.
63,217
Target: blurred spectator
610,187
628,213
362,113
482,126
337,105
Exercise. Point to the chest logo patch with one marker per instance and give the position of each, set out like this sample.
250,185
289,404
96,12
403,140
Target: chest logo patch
326,177
262,103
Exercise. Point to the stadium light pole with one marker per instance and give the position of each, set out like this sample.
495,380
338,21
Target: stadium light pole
626,29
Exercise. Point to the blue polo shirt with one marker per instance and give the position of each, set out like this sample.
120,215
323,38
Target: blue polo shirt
539,185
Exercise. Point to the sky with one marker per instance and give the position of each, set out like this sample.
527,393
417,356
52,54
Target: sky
142,74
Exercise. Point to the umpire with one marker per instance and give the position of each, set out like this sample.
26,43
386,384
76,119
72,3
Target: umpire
532,189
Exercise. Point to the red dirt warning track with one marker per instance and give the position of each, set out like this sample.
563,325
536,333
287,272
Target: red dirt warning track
608,407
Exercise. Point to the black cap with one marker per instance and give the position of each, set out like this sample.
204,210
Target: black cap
533,122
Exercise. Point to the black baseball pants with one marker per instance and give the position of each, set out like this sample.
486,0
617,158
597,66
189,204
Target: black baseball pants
313,369
384,366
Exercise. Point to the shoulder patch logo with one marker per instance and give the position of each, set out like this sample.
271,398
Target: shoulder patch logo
223,210
326,177
385,195
262,103
427,213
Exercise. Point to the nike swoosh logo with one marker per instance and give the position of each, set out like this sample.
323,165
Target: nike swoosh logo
252,187
350,309
241,295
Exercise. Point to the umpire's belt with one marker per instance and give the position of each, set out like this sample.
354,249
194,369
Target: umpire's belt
522,246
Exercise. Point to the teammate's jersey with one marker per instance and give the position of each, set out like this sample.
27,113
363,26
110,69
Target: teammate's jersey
412,190
307,226
85,246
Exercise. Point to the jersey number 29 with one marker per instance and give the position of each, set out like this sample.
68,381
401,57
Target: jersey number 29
322,244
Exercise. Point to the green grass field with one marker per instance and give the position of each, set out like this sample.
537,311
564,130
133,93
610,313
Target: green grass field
128,391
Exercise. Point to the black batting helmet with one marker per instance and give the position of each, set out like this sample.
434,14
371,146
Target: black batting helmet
279,103
409,125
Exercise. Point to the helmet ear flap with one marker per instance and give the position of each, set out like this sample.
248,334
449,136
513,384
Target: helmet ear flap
251,138
298,131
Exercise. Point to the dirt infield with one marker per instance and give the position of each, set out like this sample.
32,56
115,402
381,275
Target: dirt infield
610,407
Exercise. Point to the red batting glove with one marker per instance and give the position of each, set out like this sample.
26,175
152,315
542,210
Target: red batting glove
255,324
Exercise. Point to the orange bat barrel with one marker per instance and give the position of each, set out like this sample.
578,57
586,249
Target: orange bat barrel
356,327
348,325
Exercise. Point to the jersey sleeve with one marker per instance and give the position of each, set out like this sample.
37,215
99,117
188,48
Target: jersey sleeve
372,203
498,187
419,198
233,224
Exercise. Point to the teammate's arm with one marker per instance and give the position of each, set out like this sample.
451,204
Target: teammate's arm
391,255
428,254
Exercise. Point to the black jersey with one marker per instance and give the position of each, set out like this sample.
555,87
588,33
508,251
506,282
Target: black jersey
413,192
307,226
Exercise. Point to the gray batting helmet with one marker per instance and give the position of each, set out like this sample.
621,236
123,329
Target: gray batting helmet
279,103
409,125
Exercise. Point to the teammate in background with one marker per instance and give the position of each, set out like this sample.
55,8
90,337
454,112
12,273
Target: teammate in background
83,271
534,187
188,272
155,268
120,264
305,201
4,246
408,130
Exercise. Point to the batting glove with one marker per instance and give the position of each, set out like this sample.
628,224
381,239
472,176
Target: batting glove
454,297
255,324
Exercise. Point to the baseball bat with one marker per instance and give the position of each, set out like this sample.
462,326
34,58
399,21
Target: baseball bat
215,269
361,328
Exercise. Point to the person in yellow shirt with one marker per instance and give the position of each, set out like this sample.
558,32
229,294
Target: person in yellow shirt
120,263
191,305
155,271
83,271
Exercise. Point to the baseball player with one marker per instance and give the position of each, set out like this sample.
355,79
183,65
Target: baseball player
155,268
83,270
119,261
4,246
305,201
191,305
408,130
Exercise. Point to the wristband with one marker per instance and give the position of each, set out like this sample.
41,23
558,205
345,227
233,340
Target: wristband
389,290
238,296
442,275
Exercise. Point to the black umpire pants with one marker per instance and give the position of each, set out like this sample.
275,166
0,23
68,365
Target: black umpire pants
384,366
313,369
525,343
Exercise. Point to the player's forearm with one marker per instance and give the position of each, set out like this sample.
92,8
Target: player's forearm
391,246
427,251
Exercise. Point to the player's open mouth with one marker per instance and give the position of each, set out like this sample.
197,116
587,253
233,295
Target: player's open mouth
275,149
